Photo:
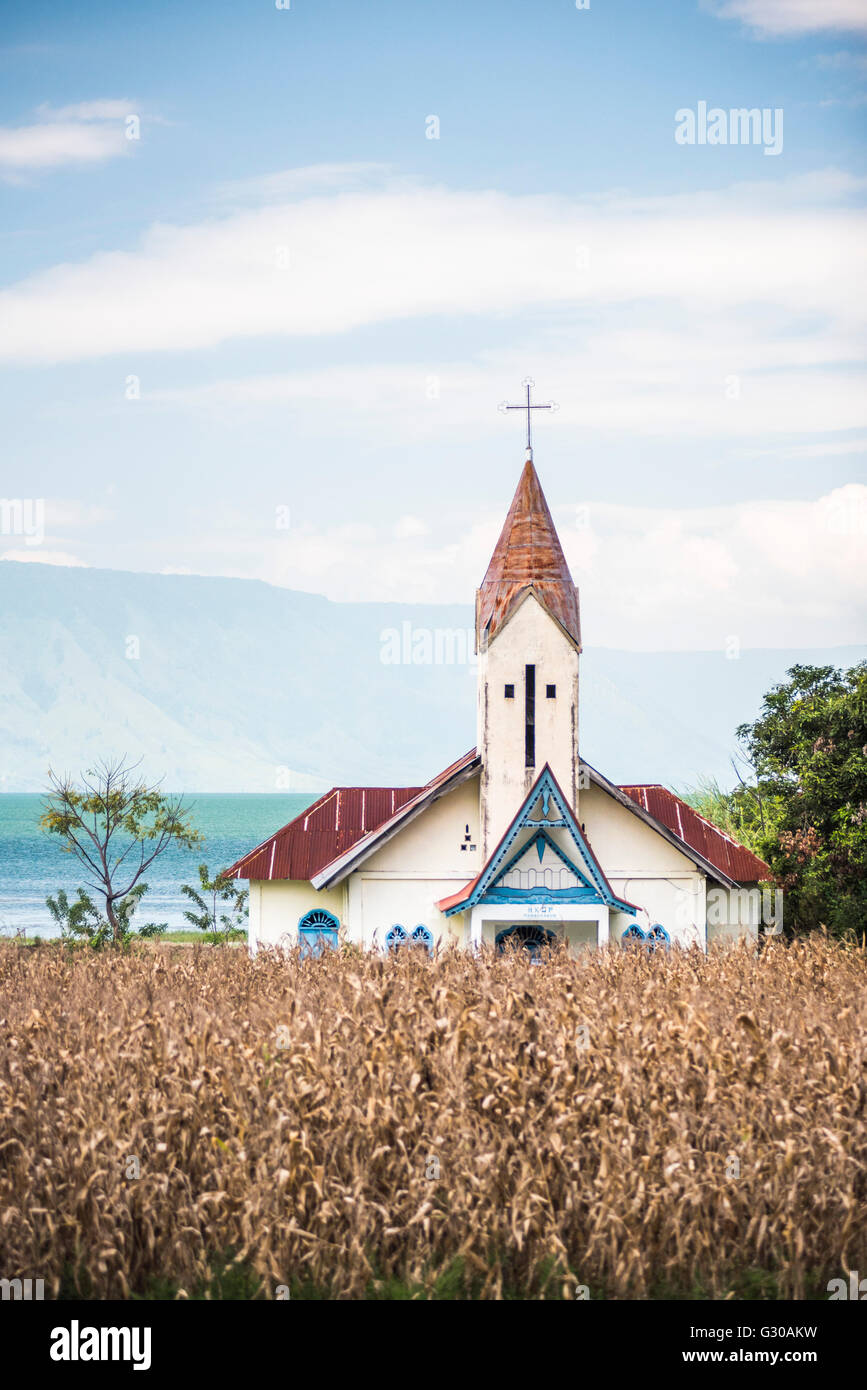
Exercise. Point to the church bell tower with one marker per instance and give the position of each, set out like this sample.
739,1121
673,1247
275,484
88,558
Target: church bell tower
528,639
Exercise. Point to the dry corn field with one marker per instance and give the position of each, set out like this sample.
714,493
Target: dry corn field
643,1126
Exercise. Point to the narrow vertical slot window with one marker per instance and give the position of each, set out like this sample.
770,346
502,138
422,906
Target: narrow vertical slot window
530,716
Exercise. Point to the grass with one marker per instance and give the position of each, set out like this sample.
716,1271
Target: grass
181,937
185,938
229,1279
199,1124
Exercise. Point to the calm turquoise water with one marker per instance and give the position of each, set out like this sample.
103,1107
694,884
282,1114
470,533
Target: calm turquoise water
32,864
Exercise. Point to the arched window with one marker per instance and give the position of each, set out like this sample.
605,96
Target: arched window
532,938
399,936
655,938
395,937
317,931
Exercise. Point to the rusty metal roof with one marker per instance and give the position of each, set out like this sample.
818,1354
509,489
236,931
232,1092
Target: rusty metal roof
714,844
528,556
334,823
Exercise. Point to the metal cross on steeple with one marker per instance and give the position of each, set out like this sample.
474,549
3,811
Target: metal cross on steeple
528,406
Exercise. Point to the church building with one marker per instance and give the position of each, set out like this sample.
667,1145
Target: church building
521,841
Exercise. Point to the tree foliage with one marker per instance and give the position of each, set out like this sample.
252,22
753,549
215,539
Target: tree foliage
803,808
214,891
115,825
81,919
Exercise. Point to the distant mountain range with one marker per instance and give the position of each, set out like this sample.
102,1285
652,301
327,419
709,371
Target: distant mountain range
233,685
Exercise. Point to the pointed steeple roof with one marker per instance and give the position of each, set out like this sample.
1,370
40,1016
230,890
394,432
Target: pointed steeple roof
528,556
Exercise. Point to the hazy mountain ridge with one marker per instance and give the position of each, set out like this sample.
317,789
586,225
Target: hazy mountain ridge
239,686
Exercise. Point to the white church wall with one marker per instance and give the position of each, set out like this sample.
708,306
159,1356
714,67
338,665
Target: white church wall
730,932
677,904
624,844
734,914
645,869
407,902
430,844
277,906
403,880
530,637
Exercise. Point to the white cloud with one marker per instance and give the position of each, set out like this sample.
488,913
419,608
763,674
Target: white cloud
793,17
44,557
768,572
329,264
104,110
733,382
311,178
409,526
810,451
86,133
45,146
65,512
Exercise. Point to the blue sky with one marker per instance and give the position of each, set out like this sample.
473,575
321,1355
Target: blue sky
284,295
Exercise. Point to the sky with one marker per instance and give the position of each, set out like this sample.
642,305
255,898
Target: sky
268,271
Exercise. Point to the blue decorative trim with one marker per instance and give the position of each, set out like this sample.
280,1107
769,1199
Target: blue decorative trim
500,863
633,933
541,839
317,930
543,895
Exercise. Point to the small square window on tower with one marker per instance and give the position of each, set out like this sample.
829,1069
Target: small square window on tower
510,692
551,692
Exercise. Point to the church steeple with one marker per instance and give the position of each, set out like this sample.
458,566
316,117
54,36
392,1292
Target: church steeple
528,637
527,555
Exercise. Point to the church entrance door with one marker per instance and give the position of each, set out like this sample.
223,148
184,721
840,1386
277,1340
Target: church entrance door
525,936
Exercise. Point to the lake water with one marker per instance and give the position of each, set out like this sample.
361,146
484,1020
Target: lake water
33,865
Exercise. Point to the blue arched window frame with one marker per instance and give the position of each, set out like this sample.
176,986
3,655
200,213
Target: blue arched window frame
317,931
655,938
395,937
398,936
633,933
423,937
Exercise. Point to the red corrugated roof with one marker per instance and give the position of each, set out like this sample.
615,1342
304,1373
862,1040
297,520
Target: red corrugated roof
700,834
527,555
328,828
